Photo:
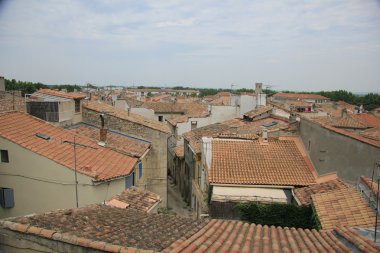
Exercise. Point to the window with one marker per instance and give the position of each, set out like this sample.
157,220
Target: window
140,169
129,180
6,198
194,124
161,118
4,156
77,105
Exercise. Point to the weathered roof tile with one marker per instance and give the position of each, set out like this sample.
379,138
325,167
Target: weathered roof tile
94,161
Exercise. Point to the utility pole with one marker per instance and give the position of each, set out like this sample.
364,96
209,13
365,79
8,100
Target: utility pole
377,199
75,144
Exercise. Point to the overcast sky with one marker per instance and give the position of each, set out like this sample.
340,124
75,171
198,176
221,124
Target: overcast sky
290,45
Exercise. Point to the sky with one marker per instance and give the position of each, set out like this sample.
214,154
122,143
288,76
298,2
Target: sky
286,45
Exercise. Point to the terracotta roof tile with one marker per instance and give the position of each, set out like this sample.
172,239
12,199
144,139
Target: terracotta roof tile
372,133
119,142
122,114
235,128
304,194
237,236
56,93
256,112
106,228
300,96
343,206
138,199
94,161
367,119
352,135
190,109
281,162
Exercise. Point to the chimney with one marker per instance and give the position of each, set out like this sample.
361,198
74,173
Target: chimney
344,113
265,136
102,131
103,135
129,110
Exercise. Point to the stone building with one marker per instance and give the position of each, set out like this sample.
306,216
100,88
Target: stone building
154,132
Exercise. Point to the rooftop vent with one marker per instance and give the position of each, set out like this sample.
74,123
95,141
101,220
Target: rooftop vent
269,124
43,136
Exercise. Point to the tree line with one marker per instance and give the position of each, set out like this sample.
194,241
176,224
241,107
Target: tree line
30,87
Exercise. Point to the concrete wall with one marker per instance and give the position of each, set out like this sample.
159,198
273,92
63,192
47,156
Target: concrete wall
330,151
155,178
148,113
41,185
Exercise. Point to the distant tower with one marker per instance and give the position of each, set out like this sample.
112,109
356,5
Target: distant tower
2,83
259,88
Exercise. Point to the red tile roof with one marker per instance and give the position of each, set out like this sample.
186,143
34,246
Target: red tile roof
115,141
300,96
190,109
343,206
56,93
122,114
281,162
304,194
104,228
372,133
235,128
138,199
256,112
95,161
367,119
237,236
352,135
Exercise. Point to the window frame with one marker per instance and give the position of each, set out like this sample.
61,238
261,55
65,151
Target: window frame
4,155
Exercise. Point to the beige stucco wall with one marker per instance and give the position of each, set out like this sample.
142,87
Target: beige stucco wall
67,114
41,184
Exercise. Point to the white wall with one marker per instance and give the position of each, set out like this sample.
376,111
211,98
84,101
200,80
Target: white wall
218,114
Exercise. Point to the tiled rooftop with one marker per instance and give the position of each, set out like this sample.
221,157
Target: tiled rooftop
94,161
344,207
101,227
237,236
189,109
56,93
138,199
235,128
367,119
372,133
299,96
280,162
362,138
122,114
304,194
115,141
256,112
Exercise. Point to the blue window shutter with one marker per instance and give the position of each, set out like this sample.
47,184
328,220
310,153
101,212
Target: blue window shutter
129,181
140,169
